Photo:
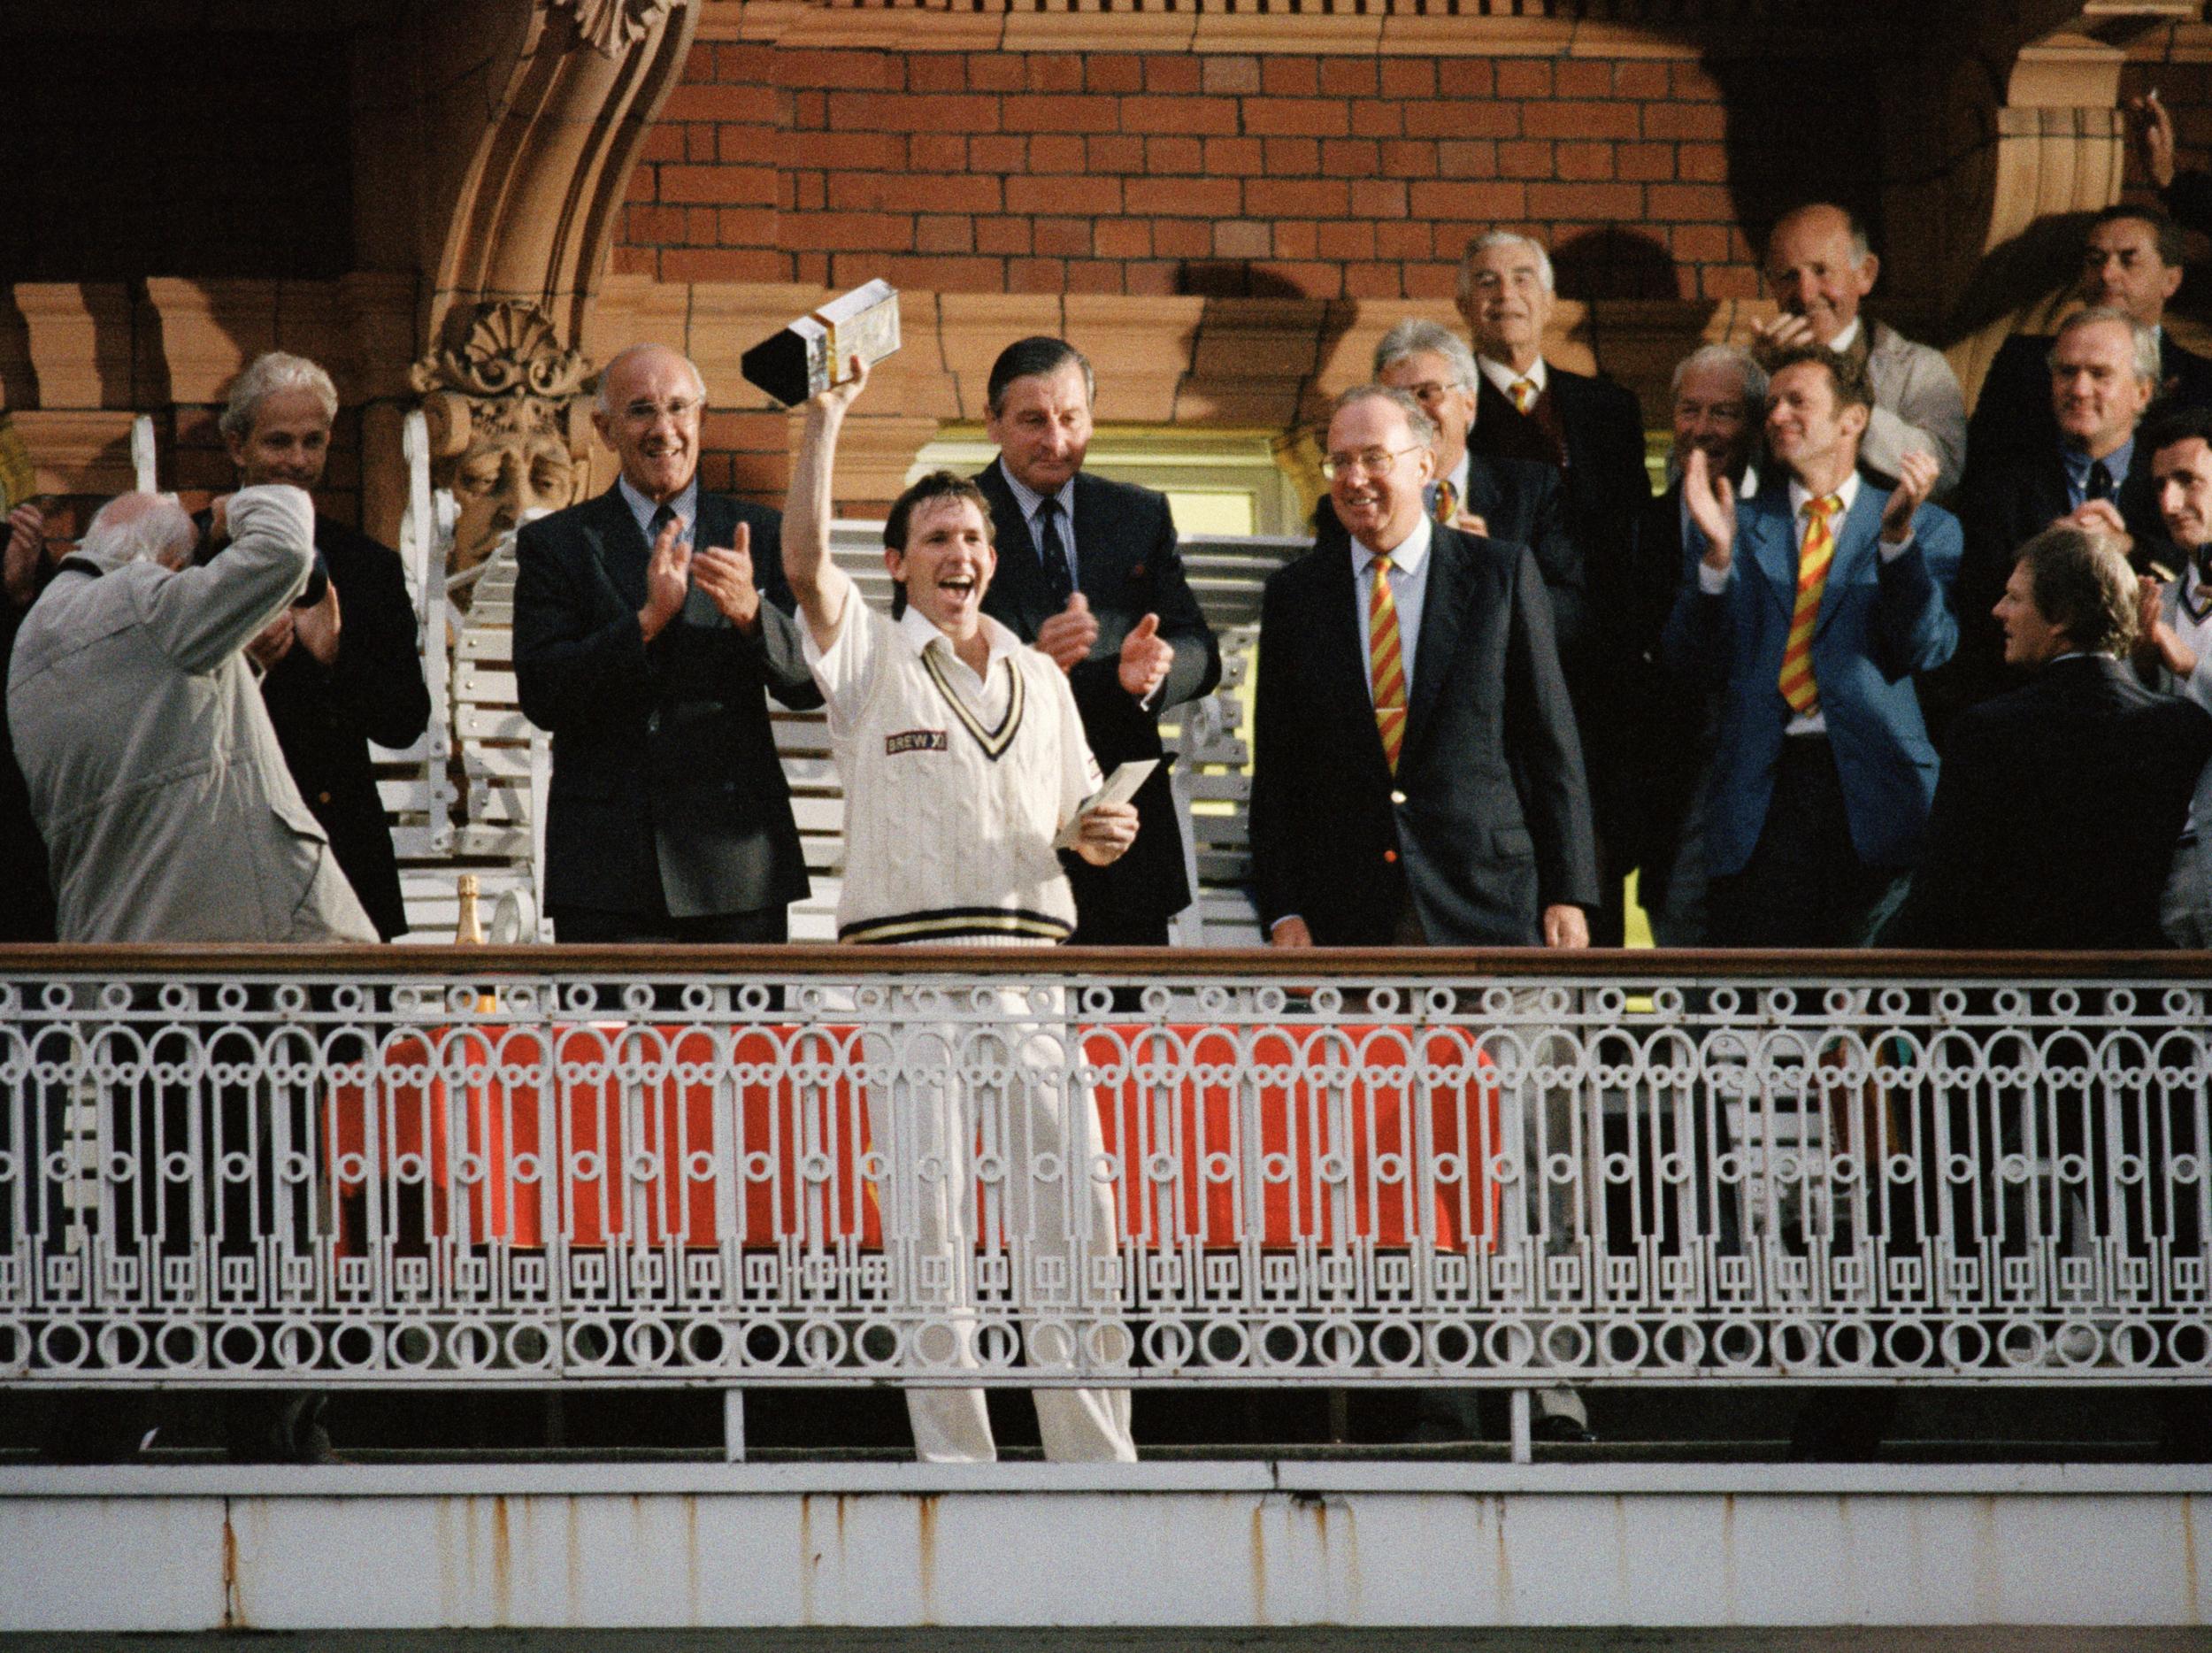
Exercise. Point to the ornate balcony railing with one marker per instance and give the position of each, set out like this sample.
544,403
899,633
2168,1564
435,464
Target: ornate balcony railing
528,1166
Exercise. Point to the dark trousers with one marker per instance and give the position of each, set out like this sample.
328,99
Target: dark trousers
586,926
1804,885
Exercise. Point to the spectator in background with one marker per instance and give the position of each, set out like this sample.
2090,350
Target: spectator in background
1819,267
2131,261
2081,754
1090,571
1814,602
1667,722
2175,653
2092,473
1592,429
343,672
26,899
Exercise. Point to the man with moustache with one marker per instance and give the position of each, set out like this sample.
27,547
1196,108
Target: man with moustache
1820,267
344,671
1092,575
669,818
1814,602
1719,402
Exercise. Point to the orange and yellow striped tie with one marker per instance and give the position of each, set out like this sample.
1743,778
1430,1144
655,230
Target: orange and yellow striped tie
1524,394
1446,502
1386,664
1813,558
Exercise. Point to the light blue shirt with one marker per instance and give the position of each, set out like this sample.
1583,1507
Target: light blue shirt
1409,590
1028,498
686,506
2078,464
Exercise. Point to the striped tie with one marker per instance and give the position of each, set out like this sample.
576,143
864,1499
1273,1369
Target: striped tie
1385,664
1446,502
1813,558
1524,394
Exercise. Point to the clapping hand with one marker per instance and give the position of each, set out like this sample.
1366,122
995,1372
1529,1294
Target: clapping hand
726,574
667,579
1145,658
1068,636
1915,481
1712,504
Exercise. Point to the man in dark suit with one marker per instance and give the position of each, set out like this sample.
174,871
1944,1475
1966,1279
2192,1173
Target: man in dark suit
1085,566
1404,804
2091,472
1666,729
1814,604
670,819
344,671
1416,778
2132,260
1528,408
26,896
2080,755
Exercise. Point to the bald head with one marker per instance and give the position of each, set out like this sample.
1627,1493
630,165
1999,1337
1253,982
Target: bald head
140,527
647,410
1818,266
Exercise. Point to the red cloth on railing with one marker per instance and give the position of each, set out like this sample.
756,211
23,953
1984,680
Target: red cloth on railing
1337,1159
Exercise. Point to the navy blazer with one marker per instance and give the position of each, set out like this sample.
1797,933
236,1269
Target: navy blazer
1128,564
666,785
1879,623
1488,820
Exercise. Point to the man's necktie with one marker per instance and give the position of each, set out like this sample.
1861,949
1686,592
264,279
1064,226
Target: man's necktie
1052,555
661,517
1813,558
2100,481
1446,502
1386,664
1524,394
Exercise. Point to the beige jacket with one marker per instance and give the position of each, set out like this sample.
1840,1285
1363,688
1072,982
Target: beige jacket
155,776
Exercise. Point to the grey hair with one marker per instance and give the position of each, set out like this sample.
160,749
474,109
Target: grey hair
269,373
1502,238
1414,336
599,392
2144,337
1419,426
1735,359
137,528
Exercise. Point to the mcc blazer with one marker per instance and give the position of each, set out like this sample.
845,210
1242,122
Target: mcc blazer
666,784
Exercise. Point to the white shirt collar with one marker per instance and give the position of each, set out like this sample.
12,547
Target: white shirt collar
1845,340
917,634
1499,374
1848,494
1407,555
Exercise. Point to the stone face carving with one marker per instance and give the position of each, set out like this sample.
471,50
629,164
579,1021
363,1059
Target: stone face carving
509,429
609,25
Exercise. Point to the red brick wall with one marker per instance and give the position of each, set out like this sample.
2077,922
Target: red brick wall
1125,173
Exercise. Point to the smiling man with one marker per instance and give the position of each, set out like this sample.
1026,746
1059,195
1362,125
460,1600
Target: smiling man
1093,576
1814,602
669,819
963,757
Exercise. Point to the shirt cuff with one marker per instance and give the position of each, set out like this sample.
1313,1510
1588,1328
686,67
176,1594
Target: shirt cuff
1890,553
1711,581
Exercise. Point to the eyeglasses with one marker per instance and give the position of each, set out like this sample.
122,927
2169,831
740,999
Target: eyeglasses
1372,461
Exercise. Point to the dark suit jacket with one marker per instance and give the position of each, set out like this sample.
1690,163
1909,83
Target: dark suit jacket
325,717
1127,566
1486,821
2009,496
667,786
2013,410
2057,815
27,893
1665,732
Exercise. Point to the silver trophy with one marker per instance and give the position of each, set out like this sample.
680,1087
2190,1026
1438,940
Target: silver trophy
809,356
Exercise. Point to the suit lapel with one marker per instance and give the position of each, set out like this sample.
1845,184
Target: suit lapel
1774,549
1339,629
1017,592
1484,498
1443,610
620,549
1096,548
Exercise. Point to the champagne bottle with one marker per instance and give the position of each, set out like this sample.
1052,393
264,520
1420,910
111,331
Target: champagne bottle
468,931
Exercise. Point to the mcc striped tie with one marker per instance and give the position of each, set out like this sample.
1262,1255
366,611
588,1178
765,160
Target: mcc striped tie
1813,558
1385,664
1446,505
1524,393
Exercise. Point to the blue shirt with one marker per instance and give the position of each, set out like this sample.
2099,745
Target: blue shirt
2078,464
686,506
1028,498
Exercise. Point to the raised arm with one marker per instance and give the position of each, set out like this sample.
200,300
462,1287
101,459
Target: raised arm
820,584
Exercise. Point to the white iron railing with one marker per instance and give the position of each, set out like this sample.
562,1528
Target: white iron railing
822,1165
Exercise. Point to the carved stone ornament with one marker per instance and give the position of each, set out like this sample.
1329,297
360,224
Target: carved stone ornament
509,429
609,26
